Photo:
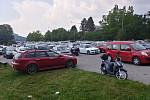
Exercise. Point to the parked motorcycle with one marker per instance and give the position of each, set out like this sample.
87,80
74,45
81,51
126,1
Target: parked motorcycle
113,68
75,51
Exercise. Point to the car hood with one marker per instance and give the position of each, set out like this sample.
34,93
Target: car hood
64,55
146,51
93,48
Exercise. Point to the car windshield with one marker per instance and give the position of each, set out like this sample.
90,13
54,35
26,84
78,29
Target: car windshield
60,48
137,46
10,49
88,46
24,48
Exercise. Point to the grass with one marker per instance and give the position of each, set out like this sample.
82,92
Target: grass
73,84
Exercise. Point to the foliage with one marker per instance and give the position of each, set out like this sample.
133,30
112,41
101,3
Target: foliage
6,34
35,36
90,25
87,25
73,84
123,24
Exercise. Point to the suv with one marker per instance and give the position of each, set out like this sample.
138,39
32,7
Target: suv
129,51
35,60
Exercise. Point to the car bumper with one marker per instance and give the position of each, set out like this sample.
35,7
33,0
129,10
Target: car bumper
94,52
16,66
145,59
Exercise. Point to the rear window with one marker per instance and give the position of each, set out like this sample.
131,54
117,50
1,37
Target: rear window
30,55
18,55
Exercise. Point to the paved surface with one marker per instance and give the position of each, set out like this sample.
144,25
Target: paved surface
92,63
136,73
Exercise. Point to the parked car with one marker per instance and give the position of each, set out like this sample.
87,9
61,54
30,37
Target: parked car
102,46
129,51
36,60
143,43
88,49
1,49
61,49
8,52
20,49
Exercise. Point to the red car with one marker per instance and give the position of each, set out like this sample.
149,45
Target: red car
35,60
129,51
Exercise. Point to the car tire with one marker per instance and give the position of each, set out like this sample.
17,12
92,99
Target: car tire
31,69
136,61
88,52
69,64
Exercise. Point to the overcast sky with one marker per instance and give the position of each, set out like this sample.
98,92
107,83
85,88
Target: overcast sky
29,15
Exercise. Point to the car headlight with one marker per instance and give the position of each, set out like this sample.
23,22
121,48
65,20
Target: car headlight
144,53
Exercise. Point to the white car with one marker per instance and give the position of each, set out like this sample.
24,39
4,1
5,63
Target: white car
61,49
88,49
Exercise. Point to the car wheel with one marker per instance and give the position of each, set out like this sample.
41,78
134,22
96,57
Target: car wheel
31,69
136,61
70,64
88,52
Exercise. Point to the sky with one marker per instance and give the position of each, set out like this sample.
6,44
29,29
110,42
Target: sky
26,16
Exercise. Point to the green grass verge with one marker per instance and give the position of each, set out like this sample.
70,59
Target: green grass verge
73,84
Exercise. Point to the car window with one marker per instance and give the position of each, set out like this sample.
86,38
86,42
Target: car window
124,47
115,47
109,46
41,54
30,55
52,54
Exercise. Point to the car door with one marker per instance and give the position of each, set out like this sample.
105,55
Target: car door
55,60
42,59
81,49
114,51
125,52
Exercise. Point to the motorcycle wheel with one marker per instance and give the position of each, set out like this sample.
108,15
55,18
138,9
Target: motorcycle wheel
122,75
103,70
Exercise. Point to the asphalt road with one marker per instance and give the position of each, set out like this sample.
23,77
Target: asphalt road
92,63
135,73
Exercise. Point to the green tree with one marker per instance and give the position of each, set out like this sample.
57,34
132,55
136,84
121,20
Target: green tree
6,34
73,32
123,24
35,36
90,25
48,36
83,26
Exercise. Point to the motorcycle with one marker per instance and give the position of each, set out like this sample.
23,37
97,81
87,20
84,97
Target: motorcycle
75,51
113,68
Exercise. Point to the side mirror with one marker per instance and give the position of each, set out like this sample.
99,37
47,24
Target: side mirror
128,49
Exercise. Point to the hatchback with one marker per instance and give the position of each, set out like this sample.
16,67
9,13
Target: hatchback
129,51
36,60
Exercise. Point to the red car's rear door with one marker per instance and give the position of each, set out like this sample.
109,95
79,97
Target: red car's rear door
125,52
42,59
114,50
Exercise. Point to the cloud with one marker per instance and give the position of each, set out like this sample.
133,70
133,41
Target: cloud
38,15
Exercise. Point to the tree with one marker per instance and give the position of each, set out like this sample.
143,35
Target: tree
48,36
6,34
90,25
83,26
123,24
35,36
73,32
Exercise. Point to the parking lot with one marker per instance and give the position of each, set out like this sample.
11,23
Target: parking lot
92,63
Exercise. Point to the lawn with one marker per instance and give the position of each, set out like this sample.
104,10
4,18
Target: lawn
73,84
